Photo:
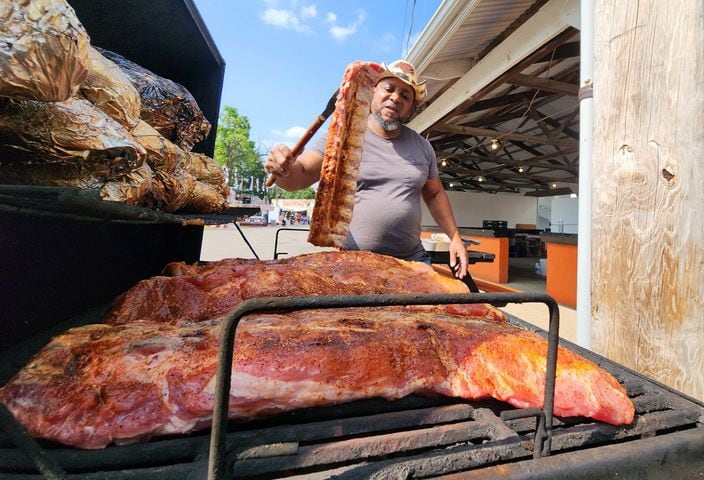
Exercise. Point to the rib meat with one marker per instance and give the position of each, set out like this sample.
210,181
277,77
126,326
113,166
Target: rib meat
99,384
334,200
196,293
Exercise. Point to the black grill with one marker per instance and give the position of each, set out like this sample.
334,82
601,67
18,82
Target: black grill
414,437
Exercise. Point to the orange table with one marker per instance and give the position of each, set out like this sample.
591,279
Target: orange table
561,275
496,271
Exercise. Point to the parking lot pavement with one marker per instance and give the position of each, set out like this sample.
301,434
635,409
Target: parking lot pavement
224,241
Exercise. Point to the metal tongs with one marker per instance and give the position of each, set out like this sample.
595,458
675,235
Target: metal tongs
317,123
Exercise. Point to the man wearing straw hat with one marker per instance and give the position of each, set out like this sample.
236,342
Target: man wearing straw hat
398,168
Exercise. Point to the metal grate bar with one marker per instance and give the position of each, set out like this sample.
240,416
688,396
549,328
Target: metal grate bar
162,452
345,427
439,462
486,428
368,448
48,467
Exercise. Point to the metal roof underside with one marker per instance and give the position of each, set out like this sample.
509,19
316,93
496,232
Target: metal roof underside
502,120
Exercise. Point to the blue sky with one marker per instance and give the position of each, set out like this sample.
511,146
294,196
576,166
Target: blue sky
284,58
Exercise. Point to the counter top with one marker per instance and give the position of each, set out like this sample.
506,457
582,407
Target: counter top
476,232
563,238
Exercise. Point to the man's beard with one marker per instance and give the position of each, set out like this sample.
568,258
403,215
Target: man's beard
387,126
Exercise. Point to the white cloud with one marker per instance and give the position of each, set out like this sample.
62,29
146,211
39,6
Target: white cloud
280,16
282,19
330,17
341,33
293,132
309,11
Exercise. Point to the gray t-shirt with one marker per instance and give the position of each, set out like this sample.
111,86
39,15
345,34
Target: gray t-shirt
387,213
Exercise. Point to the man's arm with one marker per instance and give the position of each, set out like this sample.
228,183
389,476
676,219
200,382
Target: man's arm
438,203
293,173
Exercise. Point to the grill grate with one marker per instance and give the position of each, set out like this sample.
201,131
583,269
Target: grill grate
414,437
428,437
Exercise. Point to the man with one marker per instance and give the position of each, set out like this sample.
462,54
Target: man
398,167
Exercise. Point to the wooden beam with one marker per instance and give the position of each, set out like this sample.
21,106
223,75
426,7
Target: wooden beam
549,22
647,231
521,66
448,69
532,10
539,159
486,132
544,84
568,50
562,125
539,178
503,100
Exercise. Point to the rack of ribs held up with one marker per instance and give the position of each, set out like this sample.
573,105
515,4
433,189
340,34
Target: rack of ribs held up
334,199
152,373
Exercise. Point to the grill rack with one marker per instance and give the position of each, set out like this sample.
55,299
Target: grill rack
414,437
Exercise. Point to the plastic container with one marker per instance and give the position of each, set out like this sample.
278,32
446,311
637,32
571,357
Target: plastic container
442,242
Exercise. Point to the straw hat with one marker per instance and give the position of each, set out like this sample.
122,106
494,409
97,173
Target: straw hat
406,72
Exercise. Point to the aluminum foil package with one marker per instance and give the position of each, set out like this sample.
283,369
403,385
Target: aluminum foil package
43,50
109,89
55,143
162,154
166,105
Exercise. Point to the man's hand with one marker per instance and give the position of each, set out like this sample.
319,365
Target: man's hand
293,173
279,161
458,256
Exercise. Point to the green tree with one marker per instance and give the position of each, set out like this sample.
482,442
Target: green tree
276,192
238,154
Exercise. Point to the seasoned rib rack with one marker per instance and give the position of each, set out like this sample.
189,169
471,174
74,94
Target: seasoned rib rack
410,438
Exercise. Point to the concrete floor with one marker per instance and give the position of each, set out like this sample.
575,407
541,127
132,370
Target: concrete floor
225,241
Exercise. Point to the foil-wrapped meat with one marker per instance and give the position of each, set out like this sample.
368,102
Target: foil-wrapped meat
109,89
211,192
162,154
180,174
204,169
170,191
68,143
205,198
166,105
43,50
130,188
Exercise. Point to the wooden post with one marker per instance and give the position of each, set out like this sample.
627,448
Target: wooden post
648,189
